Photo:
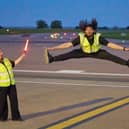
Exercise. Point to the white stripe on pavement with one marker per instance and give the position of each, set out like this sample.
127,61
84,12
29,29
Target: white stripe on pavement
74,84
73,72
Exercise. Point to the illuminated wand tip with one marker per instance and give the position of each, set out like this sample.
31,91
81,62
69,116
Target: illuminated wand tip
26,45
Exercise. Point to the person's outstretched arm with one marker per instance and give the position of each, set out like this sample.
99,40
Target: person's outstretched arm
20,58
117,47
61,46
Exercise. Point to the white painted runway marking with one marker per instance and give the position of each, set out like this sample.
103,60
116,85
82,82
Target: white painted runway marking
77,73
71,71
73,84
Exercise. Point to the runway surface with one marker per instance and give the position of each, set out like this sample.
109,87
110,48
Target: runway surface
77,93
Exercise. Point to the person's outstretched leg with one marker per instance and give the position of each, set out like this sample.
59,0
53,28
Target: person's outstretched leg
77,53
103,54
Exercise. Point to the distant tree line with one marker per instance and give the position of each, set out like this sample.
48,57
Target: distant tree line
56,24
127,27
1,27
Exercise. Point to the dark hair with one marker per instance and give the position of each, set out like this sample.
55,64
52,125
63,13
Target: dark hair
83,24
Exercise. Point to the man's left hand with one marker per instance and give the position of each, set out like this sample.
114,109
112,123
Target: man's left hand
126,49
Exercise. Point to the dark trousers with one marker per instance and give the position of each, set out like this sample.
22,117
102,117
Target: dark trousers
12,93
102,54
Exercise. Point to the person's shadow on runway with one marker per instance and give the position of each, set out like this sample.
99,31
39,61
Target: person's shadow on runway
65,108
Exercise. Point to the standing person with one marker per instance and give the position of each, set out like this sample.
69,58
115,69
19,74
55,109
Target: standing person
90,46
8,88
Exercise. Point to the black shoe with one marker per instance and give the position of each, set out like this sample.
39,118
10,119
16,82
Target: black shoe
48,58
19,119
128,63
3,120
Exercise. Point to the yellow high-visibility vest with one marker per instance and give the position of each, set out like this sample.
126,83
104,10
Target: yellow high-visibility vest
85,45
6,73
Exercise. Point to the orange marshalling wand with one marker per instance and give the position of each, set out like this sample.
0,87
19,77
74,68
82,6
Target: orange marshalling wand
26,45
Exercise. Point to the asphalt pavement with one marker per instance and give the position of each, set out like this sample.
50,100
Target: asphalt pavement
77,93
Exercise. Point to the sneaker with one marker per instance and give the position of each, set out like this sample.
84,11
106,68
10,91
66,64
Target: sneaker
3,120
19,119
48,58
128,63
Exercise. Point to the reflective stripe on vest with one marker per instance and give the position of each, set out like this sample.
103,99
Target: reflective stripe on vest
6,74
85,45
